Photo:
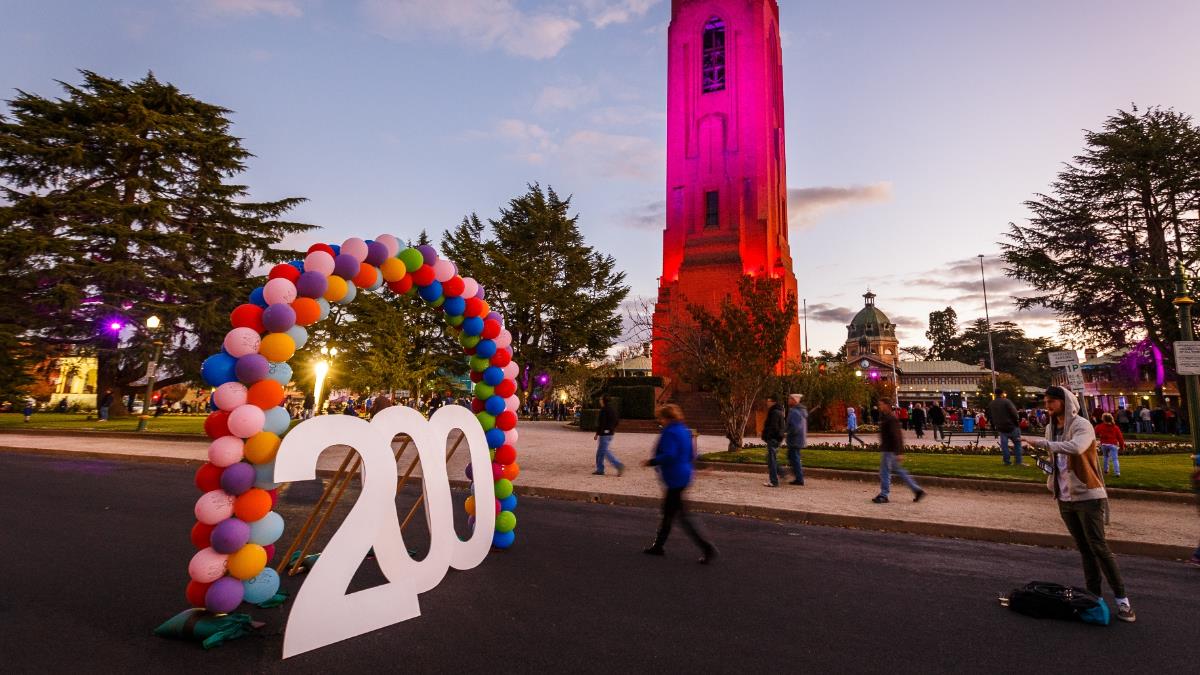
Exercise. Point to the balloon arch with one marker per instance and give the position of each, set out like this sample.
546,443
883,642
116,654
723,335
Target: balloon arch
236,527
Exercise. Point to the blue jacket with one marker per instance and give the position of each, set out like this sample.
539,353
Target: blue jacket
851,421
797,426
673,455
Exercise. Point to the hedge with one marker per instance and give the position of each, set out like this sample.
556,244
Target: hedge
644,381
589,419
635,403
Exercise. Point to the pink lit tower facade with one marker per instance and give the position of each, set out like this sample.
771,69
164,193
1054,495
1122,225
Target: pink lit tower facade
726,201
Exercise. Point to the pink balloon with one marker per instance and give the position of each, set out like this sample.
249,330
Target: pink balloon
443,270
213,507
207,566
242,341
510,437
246,420
279,291
225,451
319,261
497,471
392,244
497,504
355,247
470,287
512,403
504,339
230,395
511,370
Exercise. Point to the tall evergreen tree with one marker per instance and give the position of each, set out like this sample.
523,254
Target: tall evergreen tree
943,327
1016,353
120,204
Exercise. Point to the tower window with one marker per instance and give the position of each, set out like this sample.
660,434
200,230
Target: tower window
712,217
714,56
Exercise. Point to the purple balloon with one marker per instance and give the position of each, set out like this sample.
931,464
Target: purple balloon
279,317
494,316
345,266
224,595
479,293
251,368
312,285
230,534
237,478
428,253
470,473
376,254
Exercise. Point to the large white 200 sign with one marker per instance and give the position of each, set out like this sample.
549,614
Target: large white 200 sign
323,613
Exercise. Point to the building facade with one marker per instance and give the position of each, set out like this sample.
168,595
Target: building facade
1125,378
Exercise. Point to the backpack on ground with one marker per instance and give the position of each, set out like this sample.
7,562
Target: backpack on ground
1046,600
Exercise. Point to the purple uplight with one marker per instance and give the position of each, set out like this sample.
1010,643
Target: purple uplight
116,326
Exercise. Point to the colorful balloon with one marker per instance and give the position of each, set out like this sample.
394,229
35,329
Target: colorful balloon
225,451
279,318
267,529
281,373
241,341
224,595
230,535
312,285
261,447
355,248
247,316
206,566
229,395
213,507
278,421
320,262
247,562
246,420
264,477
237,478
251,368
252,505
262,587
346,266
392,244
218,369
279,291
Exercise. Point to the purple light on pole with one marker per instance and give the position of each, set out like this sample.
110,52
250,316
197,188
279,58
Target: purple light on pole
115,326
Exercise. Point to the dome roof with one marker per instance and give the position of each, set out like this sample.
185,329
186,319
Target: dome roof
870,321
870,316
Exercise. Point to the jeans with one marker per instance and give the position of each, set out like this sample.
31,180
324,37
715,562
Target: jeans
938,433
673,506
854,437
887,466
773,462
602,453
1111,451
1085,521
793,455
1015,436
104,412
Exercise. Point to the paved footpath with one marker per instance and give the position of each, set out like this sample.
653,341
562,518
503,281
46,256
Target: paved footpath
557,461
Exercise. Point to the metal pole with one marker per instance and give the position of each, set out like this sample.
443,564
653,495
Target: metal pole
1184,303
988,320
151,371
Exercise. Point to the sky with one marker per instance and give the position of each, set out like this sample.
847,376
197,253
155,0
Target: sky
915,130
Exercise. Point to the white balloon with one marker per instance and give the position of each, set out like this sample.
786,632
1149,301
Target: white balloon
511,371
470,287
510,437
504,339
512,403
443,270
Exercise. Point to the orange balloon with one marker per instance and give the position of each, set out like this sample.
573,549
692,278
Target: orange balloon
337,288
261,447
265,394
307,311
469,506
247,562
277,347
393,269
252,505
511,471
366,277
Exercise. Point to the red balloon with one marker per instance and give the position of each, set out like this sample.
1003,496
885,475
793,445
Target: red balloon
274,498
506,388
474,307
201,533
402,286
216,424
208,478
284,271
469,351
505,421
321,247
506,454
476,377
476,404
248,316
491,328
501,358
453,287
270,549
195,593
423,275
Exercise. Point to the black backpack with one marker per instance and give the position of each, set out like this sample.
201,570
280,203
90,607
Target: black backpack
1046,600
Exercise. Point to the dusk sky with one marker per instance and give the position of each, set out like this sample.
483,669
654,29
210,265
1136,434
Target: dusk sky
914,129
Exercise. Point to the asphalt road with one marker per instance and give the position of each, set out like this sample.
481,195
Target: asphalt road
93,555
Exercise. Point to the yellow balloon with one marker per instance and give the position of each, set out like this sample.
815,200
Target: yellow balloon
393,269
261,447
336,290
469,505
277,347
247,562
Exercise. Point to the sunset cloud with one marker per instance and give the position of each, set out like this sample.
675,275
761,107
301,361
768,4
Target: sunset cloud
806,205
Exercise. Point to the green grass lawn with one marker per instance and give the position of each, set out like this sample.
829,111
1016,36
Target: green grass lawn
177,424
1146,472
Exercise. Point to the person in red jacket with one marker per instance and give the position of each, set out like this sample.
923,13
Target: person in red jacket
1111,440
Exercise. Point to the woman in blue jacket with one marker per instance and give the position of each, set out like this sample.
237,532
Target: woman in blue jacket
673,457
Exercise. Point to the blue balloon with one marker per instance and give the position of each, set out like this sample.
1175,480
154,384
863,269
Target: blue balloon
277,421
337,249
492,376
431,292
494,405
262,587
485,349
495,437
256,297
351,293
509,503
268,529
324,305
263,473
298,264
503,539
281,373
299,335
472,325
454,306
218,369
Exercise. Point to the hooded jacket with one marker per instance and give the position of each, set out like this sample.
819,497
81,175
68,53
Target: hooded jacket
797,426
673,455
1073,453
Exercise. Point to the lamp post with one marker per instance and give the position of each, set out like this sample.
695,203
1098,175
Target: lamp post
152,325
322,370
988,321
1184,303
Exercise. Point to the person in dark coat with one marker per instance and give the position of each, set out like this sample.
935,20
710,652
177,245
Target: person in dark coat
606,428
937,419
774,431
891,443
1005,421
673,456
917,419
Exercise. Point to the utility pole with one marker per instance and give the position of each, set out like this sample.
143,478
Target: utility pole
988,320
1184,304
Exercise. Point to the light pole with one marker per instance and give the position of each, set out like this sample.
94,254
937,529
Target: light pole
152,324
988,321
1184,303
322,369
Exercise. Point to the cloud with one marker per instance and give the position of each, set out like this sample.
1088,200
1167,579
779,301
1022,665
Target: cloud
614,155
805,205
252,7
824,312
602,13
481,24
652,216
554,99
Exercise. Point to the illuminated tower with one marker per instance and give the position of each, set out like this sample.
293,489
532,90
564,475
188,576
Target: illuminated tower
726,198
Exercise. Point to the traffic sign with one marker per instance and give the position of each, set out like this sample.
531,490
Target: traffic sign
1063,358
1187,357
1074,377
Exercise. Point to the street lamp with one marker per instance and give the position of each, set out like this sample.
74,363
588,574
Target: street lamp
321,368
987,319
152,325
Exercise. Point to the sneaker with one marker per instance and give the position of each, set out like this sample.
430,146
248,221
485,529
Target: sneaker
919,496
654,549
796,482
709,555
597,473
1125,613
880,499
770,484
620,470
1194,561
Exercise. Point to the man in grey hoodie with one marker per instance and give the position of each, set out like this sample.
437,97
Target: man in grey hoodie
1078,486
797,435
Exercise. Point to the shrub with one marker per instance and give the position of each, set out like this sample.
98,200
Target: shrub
589,419
647,381
634,403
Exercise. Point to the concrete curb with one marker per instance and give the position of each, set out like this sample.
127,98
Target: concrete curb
75,433
956,483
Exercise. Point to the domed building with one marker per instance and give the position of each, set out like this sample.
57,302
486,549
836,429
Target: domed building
871,336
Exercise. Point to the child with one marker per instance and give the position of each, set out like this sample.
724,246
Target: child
1111,439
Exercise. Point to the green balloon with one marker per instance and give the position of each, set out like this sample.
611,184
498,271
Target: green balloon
468,341
412,259
486,420
455,321
506,521
503,489
480,364
439,302
484,391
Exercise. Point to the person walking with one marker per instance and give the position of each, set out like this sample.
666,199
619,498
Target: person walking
917,418
1006,423
797,435
773,433
1111,441
1078,486
891,445
27,411
902,415
852,426
1144,417
106,402
673,456
380,403
605,429
937,419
